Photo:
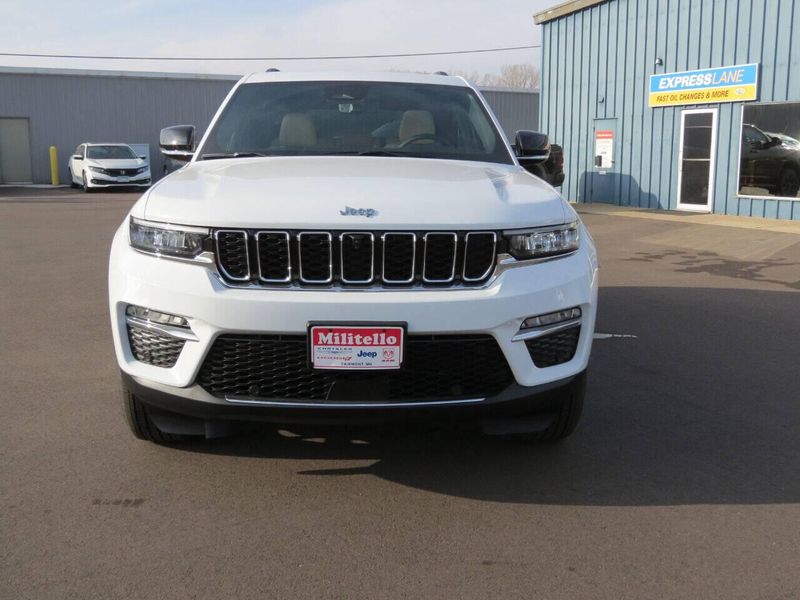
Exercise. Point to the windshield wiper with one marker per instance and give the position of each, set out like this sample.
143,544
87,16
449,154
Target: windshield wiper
213,155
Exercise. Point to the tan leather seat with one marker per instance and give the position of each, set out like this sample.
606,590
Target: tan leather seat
416,122
297,130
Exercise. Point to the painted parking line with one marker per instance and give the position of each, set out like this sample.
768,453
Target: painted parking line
606,336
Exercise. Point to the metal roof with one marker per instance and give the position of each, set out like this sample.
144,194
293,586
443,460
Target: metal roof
563,9
389,76
268,76
112,73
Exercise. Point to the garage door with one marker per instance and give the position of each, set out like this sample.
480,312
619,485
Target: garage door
15,151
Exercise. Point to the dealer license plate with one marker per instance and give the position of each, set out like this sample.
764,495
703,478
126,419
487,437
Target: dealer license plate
356,347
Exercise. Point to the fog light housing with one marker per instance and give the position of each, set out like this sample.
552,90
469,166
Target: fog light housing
553,318
154,316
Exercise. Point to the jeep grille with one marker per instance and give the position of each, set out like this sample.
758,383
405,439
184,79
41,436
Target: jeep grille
356,258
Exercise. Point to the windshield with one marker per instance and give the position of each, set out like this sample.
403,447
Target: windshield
101,152
359,118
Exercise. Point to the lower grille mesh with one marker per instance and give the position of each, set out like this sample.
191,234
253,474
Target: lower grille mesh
435,368
555,348
154,348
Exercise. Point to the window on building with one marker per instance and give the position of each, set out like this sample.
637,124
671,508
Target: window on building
769,154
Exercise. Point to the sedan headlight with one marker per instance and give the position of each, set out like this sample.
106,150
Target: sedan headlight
177,241
540,243
141,170
98,170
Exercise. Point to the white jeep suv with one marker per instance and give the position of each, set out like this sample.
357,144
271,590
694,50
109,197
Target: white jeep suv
346,248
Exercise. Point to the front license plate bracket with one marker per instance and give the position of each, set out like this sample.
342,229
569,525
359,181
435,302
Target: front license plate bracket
356,346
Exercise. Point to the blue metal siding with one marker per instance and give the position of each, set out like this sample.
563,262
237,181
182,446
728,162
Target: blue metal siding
596,64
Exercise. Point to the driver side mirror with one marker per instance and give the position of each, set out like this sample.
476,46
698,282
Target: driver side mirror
77,157
531,147
177,142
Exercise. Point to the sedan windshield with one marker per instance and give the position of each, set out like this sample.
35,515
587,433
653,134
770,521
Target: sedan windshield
355,118
101,152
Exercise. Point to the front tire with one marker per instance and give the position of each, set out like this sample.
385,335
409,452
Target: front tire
85,185
140,423
72,183
570,411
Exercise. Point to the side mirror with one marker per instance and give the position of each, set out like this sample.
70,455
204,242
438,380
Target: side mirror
77,157
531,147
177,142
143,156
774,141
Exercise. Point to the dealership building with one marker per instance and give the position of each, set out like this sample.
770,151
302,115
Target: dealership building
40,108
690,105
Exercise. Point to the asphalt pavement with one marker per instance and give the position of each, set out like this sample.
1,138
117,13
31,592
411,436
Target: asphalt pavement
680,482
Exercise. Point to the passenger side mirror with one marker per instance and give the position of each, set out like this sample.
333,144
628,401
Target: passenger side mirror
77,157
143,156
177,142
531,147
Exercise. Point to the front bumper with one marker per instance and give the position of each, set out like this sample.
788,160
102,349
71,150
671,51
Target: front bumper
98,180
198,415
213,309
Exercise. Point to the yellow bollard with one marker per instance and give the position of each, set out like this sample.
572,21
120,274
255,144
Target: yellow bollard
53,165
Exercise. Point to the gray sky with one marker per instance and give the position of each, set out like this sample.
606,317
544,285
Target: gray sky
270,28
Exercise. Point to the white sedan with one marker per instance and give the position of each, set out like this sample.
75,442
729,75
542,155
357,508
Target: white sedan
107,165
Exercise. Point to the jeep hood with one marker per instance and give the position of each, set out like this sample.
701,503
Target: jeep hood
313,192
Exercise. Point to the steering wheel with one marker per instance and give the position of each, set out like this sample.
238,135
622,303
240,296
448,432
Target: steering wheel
418,138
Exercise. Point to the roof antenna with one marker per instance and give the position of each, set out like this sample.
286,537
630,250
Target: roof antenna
440,73
273,70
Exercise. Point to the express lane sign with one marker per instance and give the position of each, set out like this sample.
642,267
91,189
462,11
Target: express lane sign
737,83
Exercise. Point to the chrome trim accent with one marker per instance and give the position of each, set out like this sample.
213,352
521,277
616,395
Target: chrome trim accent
330,255
174,226
288,256
543,229
425,256
413,256
537,332
247,253
178,154
180,333
466,250
372,256
289,404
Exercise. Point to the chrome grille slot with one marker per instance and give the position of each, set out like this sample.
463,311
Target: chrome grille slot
233,257
399,256
357,256
480,251
315,254
439,262
274,256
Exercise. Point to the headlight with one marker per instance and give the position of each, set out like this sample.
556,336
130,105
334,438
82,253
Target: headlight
168,240
540,243
141,170
98,170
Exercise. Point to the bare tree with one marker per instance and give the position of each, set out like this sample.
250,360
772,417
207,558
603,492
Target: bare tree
520,76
